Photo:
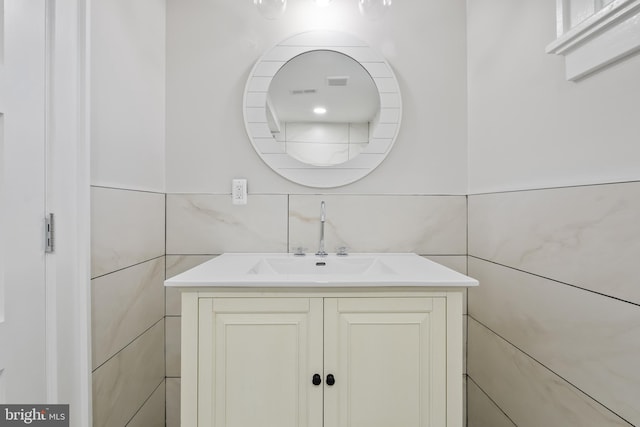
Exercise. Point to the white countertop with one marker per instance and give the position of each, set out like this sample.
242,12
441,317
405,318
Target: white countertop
288,270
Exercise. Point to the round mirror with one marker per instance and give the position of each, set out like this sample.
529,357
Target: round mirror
322,108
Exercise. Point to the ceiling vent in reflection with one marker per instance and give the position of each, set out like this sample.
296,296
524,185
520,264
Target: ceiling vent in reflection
337,80
302,91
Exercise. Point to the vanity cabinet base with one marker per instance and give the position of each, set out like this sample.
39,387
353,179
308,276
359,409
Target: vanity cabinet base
286,359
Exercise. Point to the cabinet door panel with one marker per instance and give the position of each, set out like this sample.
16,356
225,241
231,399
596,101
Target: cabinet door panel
257,359
388,356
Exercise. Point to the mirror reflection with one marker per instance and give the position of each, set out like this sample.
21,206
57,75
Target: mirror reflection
322,107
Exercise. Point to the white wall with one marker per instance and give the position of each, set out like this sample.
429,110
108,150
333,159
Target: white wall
528,126
554,237
212,45
127,211
127,94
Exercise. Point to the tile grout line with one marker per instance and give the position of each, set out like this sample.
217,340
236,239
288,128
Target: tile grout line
164,305
128,189
129,266
560,187
488,397
288,222
128,344
466,313
555,280
145,402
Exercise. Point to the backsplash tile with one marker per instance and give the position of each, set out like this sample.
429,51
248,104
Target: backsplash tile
127,228
530,394
455,262
125,381
202,224
177,264
427,225
586,236
124,305
591,340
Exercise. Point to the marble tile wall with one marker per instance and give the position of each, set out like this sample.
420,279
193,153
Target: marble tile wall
125,304
152,414
556,320
123,384
585,236
127,228
175,264
530,394
485,412
128,307
427,225
173,402
201,226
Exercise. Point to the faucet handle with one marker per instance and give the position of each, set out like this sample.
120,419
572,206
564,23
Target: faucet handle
342,251
299,251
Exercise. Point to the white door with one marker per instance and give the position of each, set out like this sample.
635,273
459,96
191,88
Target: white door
387,357
22,201
258,358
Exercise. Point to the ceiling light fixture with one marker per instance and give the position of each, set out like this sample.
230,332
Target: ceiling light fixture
271,9
372,9
320,110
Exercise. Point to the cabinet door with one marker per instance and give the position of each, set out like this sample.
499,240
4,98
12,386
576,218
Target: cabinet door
388,358
257,357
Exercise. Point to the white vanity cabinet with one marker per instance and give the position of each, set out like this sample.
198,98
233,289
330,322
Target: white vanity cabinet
287,357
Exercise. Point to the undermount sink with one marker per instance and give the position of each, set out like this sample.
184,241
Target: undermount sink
305,265
237,270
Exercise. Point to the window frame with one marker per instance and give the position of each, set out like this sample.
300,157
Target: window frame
608,36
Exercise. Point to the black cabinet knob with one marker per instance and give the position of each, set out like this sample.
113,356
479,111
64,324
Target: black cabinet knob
317,379
331,380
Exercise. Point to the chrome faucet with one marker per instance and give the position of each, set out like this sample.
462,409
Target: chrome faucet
323,214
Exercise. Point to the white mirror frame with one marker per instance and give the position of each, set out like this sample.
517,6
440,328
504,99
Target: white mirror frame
273,154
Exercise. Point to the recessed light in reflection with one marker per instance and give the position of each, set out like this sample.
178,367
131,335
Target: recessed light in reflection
320,110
